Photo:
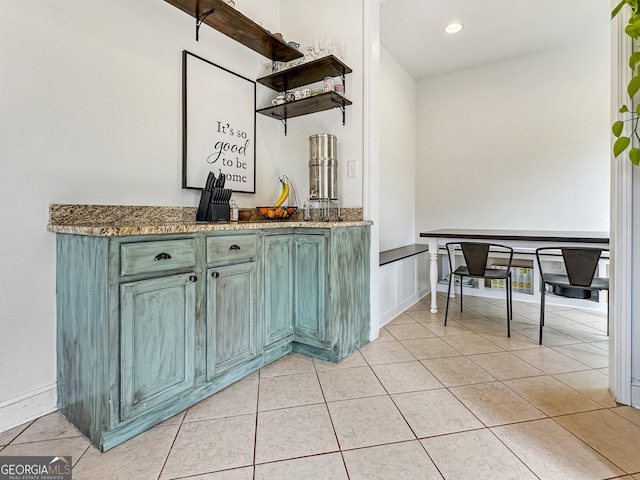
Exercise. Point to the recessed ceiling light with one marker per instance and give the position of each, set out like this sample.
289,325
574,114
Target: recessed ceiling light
453,27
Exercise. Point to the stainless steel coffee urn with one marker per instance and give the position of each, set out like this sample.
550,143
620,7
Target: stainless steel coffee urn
323,167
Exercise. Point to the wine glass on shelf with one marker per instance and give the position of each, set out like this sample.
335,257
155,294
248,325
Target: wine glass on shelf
320,46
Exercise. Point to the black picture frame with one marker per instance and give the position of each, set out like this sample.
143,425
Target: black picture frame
218,125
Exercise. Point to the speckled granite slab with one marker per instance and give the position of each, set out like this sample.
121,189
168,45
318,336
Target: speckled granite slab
122,220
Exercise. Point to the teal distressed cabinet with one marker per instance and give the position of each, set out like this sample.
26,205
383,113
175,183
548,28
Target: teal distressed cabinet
149,325
232,330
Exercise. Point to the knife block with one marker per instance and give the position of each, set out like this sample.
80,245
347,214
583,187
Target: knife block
214,205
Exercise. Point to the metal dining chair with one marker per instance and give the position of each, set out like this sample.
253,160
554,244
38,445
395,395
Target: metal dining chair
580,264
476,257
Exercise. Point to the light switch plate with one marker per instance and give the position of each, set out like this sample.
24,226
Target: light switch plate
352,168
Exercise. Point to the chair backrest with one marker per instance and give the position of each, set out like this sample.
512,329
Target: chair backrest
581,263
476,255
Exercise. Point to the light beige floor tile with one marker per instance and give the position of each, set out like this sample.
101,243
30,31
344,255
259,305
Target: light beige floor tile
472,344
484,325
601,325
583,333
553,453
405,377
245,473
396,461
609,434
475,455
354,360
590,383
495,404
289,391
175,420
604,371
350,383
452,328
50,427
515,342
581,316
417,306
629,413
365,422
294,432
522,308
435,412
550,361
519,322
390,352
141,457
384,336
551,396
456,371
604,345
425,348
321,467
505,366
402,319
72,446
592,356
455,314
409,331
425,316
495,310
550,336
8,435
290,364
470,300
211,445
240,398
550,319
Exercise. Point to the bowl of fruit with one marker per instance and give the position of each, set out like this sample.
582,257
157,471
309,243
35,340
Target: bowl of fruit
279,211
276,213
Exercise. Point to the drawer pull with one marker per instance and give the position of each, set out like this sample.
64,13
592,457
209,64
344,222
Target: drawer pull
193,278
234,247
162,256
215,274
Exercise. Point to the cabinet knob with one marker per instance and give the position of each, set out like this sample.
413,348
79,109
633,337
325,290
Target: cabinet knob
215,274
193,278
234,247
162,256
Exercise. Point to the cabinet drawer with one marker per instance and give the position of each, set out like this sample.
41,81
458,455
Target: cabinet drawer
228,248
149,257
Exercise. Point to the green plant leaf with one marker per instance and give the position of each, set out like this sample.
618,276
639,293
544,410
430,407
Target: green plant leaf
633,29
621,145
638,109
634,59
634,86
623,109
634,156
617,128
617,8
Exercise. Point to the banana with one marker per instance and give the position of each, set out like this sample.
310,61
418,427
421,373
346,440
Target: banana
284,194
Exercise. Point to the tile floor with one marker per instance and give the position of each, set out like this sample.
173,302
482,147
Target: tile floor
423,401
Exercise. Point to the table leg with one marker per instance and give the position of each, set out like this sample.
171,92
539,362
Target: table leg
433,273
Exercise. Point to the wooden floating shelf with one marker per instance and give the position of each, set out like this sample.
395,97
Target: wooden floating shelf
304,106
229,21
305,73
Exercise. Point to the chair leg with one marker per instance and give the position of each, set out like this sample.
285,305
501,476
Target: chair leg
542,292
446,310
607,315
461,278
508,296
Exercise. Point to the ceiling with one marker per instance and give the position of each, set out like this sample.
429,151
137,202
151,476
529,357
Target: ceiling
412,31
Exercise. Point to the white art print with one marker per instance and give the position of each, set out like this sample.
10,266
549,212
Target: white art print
219,125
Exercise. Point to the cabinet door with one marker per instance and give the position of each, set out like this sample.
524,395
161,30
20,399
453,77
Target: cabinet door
310,287
278,286
157,341
231,317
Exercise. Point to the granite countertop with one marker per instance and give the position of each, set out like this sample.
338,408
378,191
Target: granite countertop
119,221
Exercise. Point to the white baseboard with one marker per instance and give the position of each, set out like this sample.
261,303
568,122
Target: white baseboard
635,396
389,315
27,407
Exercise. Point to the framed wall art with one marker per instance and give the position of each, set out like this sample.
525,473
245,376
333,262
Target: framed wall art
218,125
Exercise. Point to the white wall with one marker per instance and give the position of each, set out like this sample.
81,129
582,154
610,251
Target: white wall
397,153
340,21
517,144
91,113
